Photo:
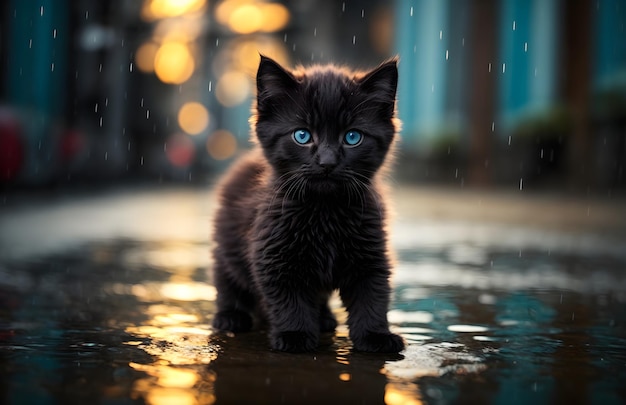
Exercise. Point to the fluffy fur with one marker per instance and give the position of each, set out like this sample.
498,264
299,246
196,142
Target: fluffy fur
297,221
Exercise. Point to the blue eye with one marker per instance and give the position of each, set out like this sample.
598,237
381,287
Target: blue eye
352,138
301,136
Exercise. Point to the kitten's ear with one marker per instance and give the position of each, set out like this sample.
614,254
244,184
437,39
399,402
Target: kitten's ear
271,78
382,81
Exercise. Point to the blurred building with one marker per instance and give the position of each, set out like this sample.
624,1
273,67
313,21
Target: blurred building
513,92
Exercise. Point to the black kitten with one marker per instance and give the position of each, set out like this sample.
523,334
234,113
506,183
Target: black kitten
302,214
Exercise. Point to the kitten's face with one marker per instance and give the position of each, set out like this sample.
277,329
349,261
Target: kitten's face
324,127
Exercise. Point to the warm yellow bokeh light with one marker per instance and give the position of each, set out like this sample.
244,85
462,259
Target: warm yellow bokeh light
246,19
157,9
275,17
193,118
173,63
233,88
248,16
144,57
221,145
245,54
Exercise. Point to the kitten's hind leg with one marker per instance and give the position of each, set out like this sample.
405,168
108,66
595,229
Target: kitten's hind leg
234,305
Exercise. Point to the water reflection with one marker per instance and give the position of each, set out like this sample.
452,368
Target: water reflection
132,322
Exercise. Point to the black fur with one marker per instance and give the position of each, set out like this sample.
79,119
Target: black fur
299,221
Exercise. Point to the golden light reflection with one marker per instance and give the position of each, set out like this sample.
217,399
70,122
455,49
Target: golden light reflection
345,377
189,291
402,394
170,385
193,118
180,291
174,63
221,144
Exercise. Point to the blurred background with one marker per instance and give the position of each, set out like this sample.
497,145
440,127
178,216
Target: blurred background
518,93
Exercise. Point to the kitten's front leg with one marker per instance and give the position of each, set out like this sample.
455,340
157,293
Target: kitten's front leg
291,306
366,299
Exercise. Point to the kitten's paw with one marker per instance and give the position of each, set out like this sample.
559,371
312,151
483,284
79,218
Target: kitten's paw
232,321
328,323
294,342
378,342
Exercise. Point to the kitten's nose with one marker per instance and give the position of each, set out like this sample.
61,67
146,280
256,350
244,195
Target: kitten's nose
327,159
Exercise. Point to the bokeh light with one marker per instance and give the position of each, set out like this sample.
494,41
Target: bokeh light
173,63
157,9
180,150
246,16
193,118
233,88
221,145
145,55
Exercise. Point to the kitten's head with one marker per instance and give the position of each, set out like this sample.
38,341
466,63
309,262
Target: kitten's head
326,127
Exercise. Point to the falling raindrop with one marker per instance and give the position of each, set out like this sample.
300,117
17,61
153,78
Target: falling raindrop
141,102
147,114
490,68
525,46
86,15
285,38
128,147
54,33
30,43
210,85
493,126
440,35
521,183
52,67
343,7
353,39
314,32
106,102
106,155
217,42
509,140
362,13
130,67
141,162
41,11
100,122
411,12
514,25
100,68
95,108
447,54
503,67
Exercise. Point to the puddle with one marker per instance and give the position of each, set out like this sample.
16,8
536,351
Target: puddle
123,321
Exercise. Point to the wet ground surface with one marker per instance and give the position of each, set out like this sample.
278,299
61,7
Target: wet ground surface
108,300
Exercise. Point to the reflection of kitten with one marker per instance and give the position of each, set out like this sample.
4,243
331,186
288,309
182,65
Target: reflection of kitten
302,214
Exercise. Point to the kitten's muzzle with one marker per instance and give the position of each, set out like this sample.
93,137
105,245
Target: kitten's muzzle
327,158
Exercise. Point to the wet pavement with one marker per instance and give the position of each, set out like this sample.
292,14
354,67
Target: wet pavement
501,297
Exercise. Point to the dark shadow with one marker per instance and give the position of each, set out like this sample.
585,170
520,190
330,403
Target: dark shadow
247,371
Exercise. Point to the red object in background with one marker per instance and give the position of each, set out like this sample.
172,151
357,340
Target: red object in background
180,150
72,142
11,148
